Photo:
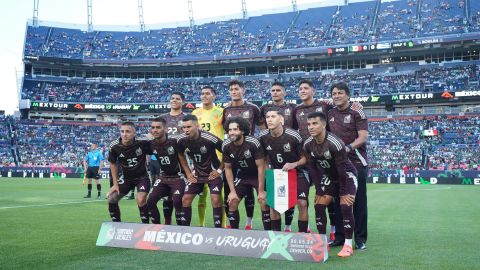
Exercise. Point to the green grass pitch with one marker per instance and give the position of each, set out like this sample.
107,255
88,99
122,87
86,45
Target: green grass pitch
46,224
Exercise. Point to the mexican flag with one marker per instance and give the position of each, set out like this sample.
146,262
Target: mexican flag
281,189
430,132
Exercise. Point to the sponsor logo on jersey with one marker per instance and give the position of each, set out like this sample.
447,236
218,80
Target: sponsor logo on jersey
121,155
232,156
332,119
142,188
302,195
269,148
177,192
215,189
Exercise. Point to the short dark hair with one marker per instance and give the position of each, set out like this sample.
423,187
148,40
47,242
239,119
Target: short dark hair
340,86
160,120
236,82
310,83
278,84
128,123
279,111
242,123
190,117
178,94
211,89
320,115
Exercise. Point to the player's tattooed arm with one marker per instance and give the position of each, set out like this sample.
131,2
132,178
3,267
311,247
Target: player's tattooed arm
290,166
261,180
114,171
232,196
188,173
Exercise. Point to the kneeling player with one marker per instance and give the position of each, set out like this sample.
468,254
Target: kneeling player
328,152
283,149
200,147
169,182
244,168
131,154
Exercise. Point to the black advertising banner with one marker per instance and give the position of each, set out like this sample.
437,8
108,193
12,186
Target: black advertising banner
307,247
399,99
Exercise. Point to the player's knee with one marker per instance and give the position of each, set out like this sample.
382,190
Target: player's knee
233,205
302,204
187,201
216,202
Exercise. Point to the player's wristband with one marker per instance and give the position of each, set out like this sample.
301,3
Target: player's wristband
350,147
219,171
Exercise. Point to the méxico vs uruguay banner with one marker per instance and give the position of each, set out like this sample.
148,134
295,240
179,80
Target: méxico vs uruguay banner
307,247
281,189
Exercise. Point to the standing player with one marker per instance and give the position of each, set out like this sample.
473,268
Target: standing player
238,107
244,169
92,165
283,148
278,93
169,182
174,128
210,120
327,151
131,154
200,147
351,125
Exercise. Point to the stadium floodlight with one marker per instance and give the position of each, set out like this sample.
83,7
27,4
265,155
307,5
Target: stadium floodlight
294,5
140,15
35,12
89,16
190,15
244,9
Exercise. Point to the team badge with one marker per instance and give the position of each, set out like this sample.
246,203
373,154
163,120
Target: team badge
170,150
246,114
347,119
139,151
203,149
287,112
319,109
287,147
247,154
332,119
327,155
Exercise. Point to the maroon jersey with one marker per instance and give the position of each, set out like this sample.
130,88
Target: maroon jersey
247,110
301,113
174,123
287,148
331,156
167,156
201,152
132,158
287,108
243,157
346,124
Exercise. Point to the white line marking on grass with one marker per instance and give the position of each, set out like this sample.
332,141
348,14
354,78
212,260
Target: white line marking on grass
48,204
412,189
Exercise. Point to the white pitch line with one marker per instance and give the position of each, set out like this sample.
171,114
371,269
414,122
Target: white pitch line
408,189
48,204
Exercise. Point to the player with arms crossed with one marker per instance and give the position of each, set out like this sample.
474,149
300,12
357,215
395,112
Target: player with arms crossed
277,92
283,149
210,119
169,182
174,128
131,154
200,147
244,168
239,107
327,151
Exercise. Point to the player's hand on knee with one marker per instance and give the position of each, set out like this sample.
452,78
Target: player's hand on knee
233,197
347,199
213,175
191,178
262,197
